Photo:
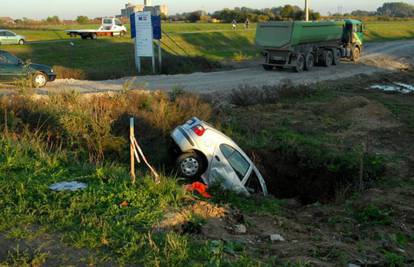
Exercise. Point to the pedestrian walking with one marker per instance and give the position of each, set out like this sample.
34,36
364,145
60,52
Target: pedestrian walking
246,24
234,22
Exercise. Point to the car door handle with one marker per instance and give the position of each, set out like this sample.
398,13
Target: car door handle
217,158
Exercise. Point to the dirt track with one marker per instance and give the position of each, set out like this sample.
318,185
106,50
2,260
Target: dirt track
378,57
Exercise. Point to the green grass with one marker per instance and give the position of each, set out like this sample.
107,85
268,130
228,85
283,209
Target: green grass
92,218
193,44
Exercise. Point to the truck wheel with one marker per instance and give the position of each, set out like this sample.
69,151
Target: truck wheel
267,67
94,36
300,63
122,34
84,37
310,61
356,54
21,42
327,58
72,35
190,165
336,57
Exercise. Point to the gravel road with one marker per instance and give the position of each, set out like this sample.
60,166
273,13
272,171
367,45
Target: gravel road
378,57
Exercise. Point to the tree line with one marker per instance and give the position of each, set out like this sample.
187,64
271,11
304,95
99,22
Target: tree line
396,9
241,14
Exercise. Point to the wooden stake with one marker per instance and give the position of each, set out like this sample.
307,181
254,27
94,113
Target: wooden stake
6,127
132,149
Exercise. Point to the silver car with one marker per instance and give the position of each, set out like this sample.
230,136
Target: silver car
211,155
8,37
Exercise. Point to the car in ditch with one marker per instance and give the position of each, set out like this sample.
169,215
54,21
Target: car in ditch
206,153
13,69
8,37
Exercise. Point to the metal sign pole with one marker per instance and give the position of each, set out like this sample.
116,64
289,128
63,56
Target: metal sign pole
159,55
153,60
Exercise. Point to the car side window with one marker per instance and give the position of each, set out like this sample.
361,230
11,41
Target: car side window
239,164
3,59
2,33
10,34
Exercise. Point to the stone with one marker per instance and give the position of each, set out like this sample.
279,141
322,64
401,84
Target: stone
277,238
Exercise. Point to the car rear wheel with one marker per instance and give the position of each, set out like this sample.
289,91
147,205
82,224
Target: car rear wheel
39,80
21,42
190,165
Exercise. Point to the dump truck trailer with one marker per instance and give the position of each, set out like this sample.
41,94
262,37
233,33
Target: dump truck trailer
301,45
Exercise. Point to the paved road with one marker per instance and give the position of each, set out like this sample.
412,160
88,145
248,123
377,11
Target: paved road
378,57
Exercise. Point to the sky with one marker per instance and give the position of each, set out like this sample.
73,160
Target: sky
69,9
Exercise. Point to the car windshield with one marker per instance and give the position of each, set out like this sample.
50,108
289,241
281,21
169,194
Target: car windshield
107,21
237,161
6,58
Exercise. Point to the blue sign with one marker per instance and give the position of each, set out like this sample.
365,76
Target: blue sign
156,27
133,27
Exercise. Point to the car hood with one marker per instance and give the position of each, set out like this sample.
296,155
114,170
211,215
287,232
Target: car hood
40,67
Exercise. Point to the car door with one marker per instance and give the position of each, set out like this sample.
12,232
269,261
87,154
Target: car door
3,38
10,37
229,167
10,69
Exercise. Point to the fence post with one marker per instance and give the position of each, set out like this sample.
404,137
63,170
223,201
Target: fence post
132,149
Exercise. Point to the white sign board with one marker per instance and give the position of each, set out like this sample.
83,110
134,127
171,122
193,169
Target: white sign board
143,40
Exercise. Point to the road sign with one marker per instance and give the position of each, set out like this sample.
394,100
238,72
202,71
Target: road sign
143,37
144,29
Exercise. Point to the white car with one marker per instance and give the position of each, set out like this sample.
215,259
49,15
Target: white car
211,155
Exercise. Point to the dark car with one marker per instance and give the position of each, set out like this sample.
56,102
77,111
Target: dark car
13,69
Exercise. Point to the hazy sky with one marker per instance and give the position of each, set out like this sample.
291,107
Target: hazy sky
96,8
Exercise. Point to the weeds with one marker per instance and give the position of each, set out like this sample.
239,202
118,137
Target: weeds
372,215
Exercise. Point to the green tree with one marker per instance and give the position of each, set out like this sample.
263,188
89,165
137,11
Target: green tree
53,20
82,19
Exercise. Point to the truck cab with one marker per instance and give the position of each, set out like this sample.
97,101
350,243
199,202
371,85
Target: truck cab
353,37
112,24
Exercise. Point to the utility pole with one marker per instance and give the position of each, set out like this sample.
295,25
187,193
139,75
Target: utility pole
306,10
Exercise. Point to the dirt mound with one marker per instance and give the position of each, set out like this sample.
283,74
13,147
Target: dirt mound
361,113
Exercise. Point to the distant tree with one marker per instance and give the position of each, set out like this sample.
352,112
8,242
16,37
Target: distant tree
82,19
53,20
396,9
362,13
194,16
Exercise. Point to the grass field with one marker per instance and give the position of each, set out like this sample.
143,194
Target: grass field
187,48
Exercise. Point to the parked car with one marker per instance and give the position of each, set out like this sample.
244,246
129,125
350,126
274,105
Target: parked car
207,153
8,37
13,69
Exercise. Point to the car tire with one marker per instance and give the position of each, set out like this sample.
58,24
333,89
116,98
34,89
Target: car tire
39,80
190,165
21,42
122,34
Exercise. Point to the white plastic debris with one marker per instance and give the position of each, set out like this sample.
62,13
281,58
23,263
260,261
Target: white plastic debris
395,87
67,186
276,238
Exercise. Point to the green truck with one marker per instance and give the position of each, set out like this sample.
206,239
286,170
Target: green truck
301,45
